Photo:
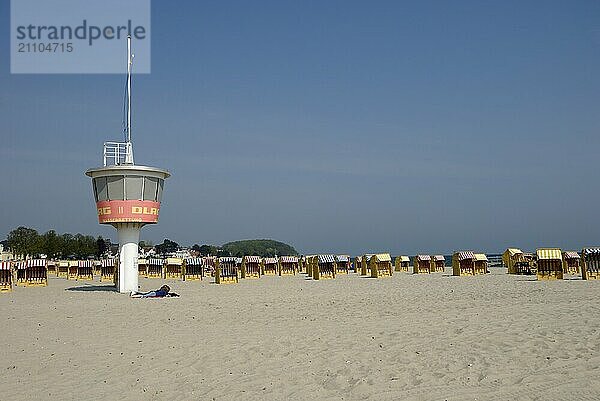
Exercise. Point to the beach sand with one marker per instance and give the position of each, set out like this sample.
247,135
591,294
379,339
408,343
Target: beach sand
425,337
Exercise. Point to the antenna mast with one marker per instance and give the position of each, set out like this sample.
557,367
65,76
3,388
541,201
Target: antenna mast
129,150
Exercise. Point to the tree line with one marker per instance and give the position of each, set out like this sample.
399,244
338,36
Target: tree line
258,247
25,241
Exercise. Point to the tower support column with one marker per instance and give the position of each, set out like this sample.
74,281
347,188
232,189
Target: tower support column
129,236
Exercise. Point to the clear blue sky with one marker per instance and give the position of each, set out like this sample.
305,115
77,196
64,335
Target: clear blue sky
339,126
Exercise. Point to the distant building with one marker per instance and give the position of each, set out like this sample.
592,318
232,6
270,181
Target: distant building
5,253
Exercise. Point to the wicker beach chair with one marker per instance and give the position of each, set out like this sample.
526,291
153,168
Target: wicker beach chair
269,267
438,263
401,263
62,269
288,265
85,270
422,264
155,268
342,264
73,269
590,263
20,270
549,264
6,276
325,267
107,270
226,271
36,273
463,263
174,268
381,265
571,261
193,269
251,267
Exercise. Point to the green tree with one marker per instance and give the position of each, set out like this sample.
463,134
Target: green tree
259,247
101,246
50,244
67,245
208,250
24,241
167,246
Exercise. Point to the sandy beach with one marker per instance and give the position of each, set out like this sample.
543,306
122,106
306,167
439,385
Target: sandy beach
425,337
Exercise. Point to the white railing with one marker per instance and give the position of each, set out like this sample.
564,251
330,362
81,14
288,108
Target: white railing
117,153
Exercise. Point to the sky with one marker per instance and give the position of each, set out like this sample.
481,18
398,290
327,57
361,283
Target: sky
338,126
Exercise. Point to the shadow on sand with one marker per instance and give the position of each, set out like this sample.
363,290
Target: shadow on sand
91,287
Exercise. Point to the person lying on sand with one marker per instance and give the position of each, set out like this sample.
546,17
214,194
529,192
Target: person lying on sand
160,293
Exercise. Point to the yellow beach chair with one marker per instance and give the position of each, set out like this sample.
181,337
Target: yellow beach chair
422,264
381,265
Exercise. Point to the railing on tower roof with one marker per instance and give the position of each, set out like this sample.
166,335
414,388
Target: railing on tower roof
117,153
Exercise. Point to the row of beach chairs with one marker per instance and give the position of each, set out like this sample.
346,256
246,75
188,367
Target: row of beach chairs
553,263
546,263
328,266
35,272
26,273
224,269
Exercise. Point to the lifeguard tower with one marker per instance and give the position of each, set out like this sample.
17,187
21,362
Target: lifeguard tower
127,195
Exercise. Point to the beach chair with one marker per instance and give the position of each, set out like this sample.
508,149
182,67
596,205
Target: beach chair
142,267
549,264
209,263
107,270
193,269
36,273
401,263
365,264
73,268
463,263
85,270
522,263
288,265
116,271
251,267
238,264
6,276
422,264
310,261
357,265
342,264
325,267
155,267
525,264
480,263
226,271
571,262
380,265
51,266
302,262
438,263
174,268
510,257
20,269
62,269
269,267
97,268
590,263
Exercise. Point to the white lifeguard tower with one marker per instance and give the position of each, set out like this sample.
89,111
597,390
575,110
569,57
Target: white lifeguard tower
127,195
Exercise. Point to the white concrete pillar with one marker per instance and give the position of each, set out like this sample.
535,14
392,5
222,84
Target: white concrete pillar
129,237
